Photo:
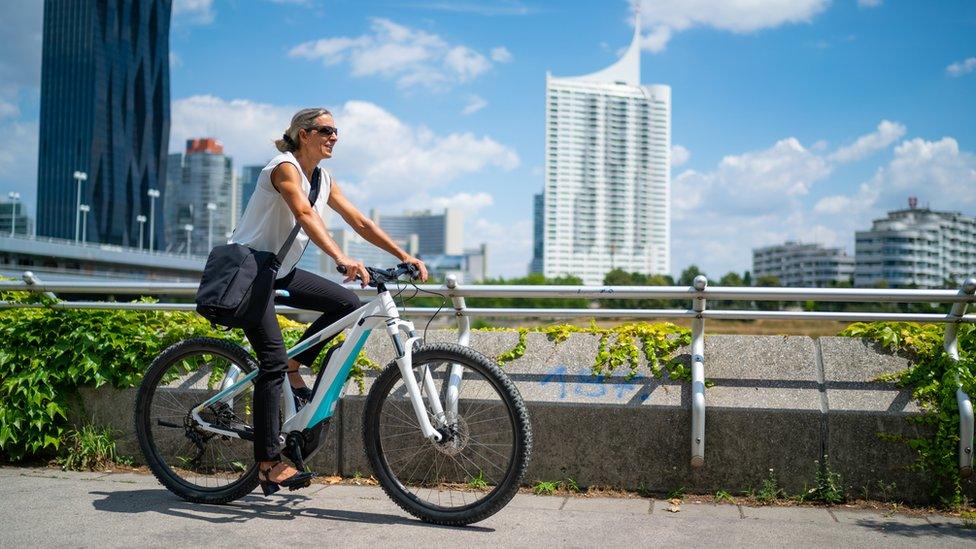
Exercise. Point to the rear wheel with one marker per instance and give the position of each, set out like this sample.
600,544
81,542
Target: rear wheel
477,466
197,465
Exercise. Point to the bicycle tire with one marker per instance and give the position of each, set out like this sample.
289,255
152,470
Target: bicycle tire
154,460
517,415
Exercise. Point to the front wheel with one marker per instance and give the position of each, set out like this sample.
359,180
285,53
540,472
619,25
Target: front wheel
481,459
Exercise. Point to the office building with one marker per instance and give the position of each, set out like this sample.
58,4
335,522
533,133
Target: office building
802,265
204,177
13,218
607,172
248,180
916,247
436,233
538,232
104,114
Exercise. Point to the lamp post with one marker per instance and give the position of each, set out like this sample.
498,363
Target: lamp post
211,207
79,177
189,231
14,197
153,195
84,209
142,228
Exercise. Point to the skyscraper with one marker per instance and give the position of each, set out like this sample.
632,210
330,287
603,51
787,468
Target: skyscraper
538,232
248,180
104,112
206,177
607,197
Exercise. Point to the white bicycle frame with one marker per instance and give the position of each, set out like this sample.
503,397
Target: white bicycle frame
381,311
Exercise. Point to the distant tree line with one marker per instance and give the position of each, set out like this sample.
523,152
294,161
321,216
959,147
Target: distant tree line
619,277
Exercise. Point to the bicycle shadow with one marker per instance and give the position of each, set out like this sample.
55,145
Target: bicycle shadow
284,507
937,530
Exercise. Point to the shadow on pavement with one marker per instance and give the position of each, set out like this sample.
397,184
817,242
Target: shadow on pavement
941,530
286,507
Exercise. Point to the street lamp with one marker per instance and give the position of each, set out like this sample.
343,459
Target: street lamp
153,195
79,177
189,230
14,197
211,207
142,228
84,209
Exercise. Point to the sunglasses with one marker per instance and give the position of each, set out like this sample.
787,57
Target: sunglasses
327,131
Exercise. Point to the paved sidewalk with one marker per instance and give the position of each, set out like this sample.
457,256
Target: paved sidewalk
49,508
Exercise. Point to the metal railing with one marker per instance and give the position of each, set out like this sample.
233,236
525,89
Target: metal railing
699,294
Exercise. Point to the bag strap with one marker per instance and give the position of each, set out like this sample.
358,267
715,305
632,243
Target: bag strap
312,196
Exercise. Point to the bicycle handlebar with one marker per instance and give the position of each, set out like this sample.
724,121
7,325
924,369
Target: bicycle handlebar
378,275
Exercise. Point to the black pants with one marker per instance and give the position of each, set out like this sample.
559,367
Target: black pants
308,291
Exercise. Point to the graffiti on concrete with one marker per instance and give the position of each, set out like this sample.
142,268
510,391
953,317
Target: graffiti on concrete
585,384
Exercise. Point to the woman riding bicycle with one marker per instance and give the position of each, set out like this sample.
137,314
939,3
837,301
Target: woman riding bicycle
281,199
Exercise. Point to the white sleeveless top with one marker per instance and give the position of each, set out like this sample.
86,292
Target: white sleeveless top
267,220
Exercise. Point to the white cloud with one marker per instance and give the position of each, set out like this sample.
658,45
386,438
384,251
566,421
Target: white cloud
496,7
18,160
8,109
868,3
175,61
886,134
467,203
679,155
755,182
193,12
960,68
379,159
475,104
501,54
665,17
765,195
509,245
413,57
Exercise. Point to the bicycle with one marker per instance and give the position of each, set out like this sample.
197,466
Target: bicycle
445,431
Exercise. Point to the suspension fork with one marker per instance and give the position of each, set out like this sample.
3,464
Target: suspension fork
404,361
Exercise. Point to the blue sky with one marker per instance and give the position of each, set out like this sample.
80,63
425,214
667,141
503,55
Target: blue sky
799,119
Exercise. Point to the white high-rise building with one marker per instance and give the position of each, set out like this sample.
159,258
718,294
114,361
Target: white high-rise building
916,247
608,172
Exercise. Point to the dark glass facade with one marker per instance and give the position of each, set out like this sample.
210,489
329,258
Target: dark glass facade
104,111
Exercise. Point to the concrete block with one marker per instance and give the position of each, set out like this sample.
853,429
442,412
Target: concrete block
851,370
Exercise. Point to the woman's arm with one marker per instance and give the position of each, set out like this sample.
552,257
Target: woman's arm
287,180
370,230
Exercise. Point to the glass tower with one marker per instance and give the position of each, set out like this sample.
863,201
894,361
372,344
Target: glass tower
105,112
607,200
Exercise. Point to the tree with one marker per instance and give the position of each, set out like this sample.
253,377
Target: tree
768,281
688,275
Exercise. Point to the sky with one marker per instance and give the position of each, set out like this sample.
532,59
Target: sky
791,119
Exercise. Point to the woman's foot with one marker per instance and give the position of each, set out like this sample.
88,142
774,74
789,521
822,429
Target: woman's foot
273,474
275,471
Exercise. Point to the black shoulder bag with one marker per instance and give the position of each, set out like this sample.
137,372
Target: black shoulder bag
238,281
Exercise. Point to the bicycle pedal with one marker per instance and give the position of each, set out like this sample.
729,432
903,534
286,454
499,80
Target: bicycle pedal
305,484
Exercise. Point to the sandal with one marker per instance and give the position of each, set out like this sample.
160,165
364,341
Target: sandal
301,479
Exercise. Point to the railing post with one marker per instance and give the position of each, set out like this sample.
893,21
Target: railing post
464,323
962,399
464,337
698,375
31,279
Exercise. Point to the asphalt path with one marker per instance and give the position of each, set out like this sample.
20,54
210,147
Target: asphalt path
50,508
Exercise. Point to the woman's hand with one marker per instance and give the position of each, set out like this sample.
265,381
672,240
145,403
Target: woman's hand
353,269
419,264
